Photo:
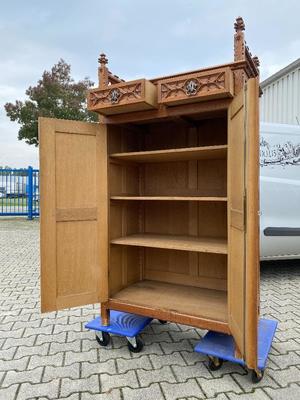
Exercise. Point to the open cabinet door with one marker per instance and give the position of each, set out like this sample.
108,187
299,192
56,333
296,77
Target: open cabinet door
243,256
73,191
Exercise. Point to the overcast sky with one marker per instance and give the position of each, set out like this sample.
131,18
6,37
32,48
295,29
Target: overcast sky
142,38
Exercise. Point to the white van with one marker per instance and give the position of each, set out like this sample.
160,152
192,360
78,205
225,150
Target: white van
279,191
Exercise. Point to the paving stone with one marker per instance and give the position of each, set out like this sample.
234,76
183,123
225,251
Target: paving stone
14,377
114,394
211,387
7,354
168,366
58,338
70,371
54,360
191,334
192,358
150,393
109,382
136,363
192,371
88,368
60,347
54,321
24,351
79,335
286,376
44,330
173,391
17,365
227,368
164,374
66,328
28,391
246,383
258,394
289,393
15,342
285,360
171,359
74,396
72,357
154,348
148,339
69,386
9,392
9,332
184,345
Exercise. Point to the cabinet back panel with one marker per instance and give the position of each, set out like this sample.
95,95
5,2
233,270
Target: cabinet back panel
123,139
186,178
124,267
186,268
207,219
167,135
124,179
124,219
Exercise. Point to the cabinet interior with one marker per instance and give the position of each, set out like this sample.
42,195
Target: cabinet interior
168,215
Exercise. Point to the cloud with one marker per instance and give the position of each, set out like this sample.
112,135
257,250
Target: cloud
141,39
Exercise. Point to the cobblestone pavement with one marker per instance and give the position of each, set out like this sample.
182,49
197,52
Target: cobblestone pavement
53,357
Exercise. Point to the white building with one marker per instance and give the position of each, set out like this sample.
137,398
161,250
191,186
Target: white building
280,102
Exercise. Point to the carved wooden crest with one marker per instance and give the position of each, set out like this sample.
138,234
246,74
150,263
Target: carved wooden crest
189,87
134,95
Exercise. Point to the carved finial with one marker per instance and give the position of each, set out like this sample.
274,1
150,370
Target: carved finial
256,61
102,59
239,24
103,71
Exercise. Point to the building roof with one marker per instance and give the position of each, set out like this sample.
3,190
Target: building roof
284,71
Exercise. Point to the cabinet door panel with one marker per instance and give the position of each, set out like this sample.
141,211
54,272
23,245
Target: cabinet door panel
243,221
74,253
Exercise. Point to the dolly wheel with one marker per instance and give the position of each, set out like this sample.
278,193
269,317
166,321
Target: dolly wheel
257,376
162,321
103,338
135,344
215,363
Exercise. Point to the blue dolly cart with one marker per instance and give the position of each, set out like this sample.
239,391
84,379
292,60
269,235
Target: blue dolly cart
219,347
123,324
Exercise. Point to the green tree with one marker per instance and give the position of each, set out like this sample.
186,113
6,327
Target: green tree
56,95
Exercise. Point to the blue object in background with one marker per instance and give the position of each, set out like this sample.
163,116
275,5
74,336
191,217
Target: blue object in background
220,345
121,323
19,192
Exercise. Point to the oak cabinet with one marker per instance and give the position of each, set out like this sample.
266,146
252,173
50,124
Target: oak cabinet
155,210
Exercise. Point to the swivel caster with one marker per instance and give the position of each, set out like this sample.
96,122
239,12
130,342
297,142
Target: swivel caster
103,338
135,344
215,363
257,376
162,321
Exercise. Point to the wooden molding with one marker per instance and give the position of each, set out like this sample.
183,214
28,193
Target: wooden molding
123,97
191,88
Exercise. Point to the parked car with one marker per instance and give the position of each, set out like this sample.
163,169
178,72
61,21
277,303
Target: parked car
279,191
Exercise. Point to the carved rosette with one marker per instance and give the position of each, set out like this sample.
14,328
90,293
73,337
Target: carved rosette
119,95
193,86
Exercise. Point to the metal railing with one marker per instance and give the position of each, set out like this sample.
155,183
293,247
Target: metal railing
19,192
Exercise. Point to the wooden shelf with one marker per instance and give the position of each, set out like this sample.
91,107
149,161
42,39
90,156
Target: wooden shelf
176,198
189,153
171,298
186,243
